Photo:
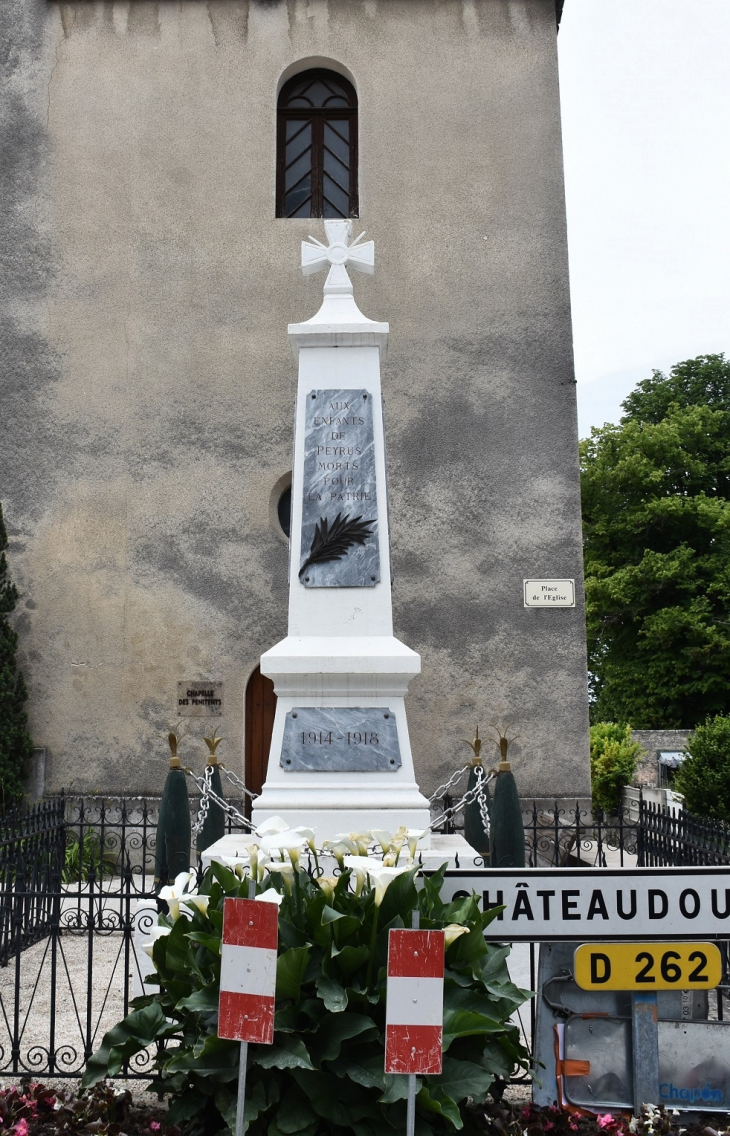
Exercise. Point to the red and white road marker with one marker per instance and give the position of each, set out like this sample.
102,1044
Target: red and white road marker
248,970
414,1009
248,980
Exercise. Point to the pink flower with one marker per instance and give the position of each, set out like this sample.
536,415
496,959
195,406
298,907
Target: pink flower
526,1112
21,1127
155,1126
606,1121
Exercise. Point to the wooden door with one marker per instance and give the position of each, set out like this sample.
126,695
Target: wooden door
260,709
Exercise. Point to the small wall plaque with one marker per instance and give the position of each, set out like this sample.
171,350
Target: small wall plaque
339,506
199,699
549,593
338,739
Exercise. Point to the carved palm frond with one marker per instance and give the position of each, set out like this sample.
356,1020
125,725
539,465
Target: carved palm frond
333,541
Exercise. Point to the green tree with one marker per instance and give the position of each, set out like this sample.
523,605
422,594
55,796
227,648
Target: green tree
613,764
656,516
15,741
704,776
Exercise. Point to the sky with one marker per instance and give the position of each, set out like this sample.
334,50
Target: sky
645,94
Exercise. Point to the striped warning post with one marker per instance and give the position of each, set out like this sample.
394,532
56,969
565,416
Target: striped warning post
415,1002
248,970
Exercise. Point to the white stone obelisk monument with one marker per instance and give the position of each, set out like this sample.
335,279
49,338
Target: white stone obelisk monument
340,755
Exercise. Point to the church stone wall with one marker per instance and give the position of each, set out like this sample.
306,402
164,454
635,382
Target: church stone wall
149,385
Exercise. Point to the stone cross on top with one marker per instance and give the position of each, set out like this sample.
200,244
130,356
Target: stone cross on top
338,253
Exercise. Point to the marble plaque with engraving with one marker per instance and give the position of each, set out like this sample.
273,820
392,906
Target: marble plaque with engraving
337,739
339,516
199,699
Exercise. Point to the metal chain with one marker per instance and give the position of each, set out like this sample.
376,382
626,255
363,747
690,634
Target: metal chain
482,798
197,825
442,789
229,809
467,799
236,780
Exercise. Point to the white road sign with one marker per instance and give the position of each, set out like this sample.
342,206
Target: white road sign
583,904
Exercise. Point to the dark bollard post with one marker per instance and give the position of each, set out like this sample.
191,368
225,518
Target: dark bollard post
507,837
172,850
476,831
214,824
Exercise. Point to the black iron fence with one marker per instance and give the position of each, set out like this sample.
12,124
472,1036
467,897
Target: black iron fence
77,888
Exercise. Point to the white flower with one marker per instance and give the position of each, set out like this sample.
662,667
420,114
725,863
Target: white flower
237,864
363,863
200,902
452,932
339,851
271,895
273,824
382,878
383,838
181,884
156,933
285,870
390,860
414,835
289,841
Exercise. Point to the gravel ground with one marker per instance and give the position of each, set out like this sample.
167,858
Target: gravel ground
76,1015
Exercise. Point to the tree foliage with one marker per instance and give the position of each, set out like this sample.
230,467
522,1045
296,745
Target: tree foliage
15,742
324,1074
656,515
613,764
704,776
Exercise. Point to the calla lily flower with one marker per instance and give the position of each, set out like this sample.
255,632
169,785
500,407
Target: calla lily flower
181,885
452,932
237,864
383,838
271,895
156,933
289,841
199,902
286,870
327,884
382,879
273,824
339,851
414,835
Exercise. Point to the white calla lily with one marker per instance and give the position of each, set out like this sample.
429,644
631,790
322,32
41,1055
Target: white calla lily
180,886
286,870
273,824
290,842
414,835
452,932
199,902
156,933
309,835
271,895
237,864
382,879
382,837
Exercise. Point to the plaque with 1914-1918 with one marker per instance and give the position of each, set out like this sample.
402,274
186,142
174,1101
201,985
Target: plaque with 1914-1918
341,739
340,546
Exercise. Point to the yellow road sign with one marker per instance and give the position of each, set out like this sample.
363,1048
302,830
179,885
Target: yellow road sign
647,966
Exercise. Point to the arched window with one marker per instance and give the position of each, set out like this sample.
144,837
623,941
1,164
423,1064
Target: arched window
316,168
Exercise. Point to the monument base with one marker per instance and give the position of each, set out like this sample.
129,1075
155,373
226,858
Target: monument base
450,849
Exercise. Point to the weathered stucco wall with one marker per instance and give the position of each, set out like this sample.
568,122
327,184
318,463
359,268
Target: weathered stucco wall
149,388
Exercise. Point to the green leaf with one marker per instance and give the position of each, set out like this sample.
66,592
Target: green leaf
464,1023
286,1053
337,1028
329,915
138,1030
350,959
211,942
295,1113
332,994
435,1099
290,968
216,1058
396,1088
461,1079
204,1000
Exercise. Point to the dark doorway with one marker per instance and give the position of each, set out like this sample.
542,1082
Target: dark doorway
260,710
